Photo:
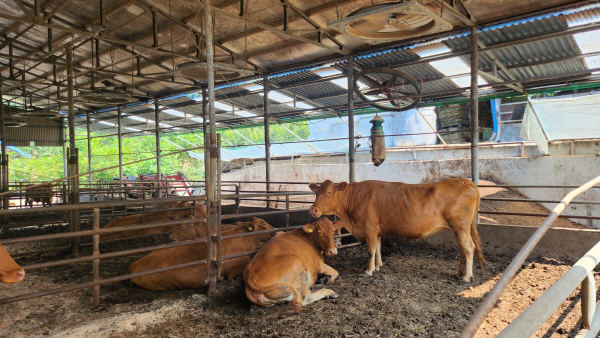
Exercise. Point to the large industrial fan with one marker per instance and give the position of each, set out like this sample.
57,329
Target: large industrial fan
106,95
392,22
387,89
197,71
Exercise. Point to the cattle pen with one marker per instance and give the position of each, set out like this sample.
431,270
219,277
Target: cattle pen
264,98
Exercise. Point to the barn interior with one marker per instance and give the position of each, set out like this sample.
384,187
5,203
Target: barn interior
501,91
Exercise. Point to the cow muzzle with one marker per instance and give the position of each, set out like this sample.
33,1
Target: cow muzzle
332,252
315,212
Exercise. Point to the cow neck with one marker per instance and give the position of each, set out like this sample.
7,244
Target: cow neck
345,203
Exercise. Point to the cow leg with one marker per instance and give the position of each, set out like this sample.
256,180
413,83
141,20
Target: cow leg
315,296
466,247
327,270
371,240
378,261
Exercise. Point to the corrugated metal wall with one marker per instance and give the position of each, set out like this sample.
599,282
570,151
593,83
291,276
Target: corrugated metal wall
43,131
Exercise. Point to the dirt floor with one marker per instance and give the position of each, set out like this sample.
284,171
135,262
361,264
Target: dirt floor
415,295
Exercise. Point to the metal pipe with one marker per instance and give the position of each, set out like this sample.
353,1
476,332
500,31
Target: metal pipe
267,134
74,197
351,145
537,313
588,300
96,252
488,303
100,282
120,139
64,144
474,105
535,214
205,137
158,161
3,158
137,226
535,201
211,184
89,144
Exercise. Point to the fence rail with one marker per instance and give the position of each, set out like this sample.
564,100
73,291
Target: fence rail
490,300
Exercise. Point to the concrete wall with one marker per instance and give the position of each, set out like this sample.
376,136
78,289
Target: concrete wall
501,164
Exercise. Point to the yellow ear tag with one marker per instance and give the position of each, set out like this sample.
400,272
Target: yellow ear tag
249,228
310,230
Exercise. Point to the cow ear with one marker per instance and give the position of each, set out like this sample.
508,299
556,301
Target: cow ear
342,186
337,225
250,226
309,228
314,187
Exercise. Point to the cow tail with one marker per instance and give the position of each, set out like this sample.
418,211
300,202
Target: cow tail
475,233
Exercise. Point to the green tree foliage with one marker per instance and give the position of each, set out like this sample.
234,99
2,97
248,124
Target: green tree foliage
47,162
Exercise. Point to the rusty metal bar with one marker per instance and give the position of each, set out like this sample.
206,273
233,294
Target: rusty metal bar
535,214
474,105
100,282
351,145
348,245
120,140
263,213
89,144
488,303
3,158
157,135
96,262
534,200
100,231
267,134
110,254
287,207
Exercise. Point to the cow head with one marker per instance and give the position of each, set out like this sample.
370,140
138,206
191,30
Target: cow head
10,271
326,201
321,232
258,224
186,211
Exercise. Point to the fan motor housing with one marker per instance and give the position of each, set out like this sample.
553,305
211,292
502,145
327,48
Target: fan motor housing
381,22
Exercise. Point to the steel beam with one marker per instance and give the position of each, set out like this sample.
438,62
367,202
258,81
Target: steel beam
158,160
340,50
351,147
120,139
474,105
89,144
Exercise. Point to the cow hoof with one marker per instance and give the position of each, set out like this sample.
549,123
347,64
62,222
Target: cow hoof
463,282
325,280
364,275
333,296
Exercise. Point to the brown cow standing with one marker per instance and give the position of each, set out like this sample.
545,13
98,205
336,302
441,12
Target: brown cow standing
287,266
159,216
370,209
10,271
193,277
41,194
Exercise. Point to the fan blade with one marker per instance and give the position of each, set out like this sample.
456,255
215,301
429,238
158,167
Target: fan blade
401,26
368,26
391,82
371,82
373,92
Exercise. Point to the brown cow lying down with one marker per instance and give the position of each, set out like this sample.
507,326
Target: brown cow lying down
287,266
370,209
196,231
159,216
193,277
10,271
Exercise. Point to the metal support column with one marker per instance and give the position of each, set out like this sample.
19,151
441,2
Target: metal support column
73,158
267,136
64,143
206,140
120,137
89,144
213,202
3,159
351,148
474,106
158,161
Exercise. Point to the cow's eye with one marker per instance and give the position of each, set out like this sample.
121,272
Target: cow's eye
319,233
329,193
